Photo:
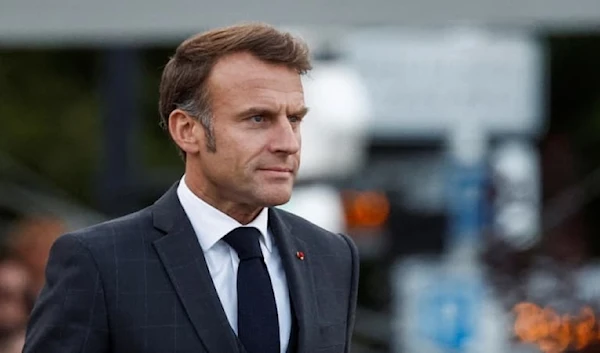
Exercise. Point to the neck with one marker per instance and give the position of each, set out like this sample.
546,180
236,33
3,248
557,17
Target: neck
243,213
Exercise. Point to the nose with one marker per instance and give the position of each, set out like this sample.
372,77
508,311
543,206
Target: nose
286,137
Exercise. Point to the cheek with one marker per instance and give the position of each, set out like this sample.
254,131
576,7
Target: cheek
242,151
236,160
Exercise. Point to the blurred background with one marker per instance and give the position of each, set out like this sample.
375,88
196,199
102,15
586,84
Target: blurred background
457,142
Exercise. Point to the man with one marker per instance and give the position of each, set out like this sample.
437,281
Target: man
212,266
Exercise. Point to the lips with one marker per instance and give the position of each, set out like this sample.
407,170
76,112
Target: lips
278,169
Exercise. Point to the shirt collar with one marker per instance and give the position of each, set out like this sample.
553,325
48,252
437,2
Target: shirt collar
211,225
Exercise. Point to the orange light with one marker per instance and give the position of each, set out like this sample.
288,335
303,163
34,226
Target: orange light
554,333
584,328
366,209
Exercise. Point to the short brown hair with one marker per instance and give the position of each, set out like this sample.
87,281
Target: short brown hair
183,84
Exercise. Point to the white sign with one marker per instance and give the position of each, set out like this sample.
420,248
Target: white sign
421,82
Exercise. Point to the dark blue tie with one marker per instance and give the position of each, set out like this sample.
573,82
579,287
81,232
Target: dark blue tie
258,325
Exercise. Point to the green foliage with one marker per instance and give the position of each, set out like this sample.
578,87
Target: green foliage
49,115
51,122
158,152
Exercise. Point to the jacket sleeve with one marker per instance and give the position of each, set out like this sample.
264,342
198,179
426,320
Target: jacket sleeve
353,295
70,314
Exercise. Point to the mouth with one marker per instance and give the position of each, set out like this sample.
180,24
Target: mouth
278,171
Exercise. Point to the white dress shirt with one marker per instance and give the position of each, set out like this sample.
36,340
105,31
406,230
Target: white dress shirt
211,225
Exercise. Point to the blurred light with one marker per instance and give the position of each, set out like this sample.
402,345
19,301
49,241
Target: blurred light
366,209
516,181
554,333
335,132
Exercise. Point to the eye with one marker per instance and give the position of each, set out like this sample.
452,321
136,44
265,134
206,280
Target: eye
258,118
294,119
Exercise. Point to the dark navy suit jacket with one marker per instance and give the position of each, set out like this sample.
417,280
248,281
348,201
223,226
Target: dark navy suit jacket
140,284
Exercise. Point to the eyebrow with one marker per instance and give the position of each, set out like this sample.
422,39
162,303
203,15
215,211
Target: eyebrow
302,111
255,111
267,111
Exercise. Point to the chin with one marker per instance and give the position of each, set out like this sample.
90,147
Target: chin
278,201
277,198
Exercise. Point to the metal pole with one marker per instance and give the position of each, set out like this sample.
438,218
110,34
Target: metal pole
120,70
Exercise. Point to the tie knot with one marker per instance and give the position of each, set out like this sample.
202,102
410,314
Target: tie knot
245,241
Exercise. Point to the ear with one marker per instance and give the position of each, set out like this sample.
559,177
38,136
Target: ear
185,131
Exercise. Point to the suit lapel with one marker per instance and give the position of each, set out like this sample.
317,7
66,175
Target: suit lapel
183,259
299,278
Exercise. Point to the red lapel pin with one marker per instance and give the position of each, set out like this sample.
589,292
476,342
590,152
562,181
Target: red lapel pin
300,255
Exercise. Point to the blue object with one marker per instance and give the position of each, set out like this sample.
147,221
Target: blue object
449,310
466,201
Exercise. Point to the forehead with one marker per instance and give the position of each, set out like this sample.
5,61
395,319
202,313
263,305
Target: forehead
242,76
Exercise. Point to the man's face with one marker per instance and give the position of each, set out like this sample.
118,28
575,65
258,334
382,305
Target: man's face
256,110
13,294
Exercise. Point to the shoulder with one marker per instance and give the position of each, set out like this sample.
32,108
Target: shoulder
316,236
119,232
